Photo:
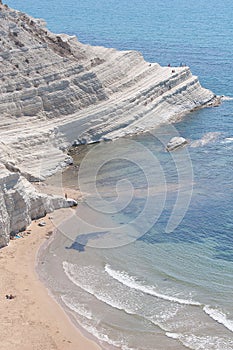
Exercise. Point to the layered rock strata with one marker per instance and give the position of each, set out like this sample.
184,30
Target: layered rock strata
55,91
20,203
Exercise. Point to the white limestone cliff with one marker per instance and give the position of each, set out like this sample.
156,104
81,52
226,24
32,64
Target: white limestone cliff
20,203
55,91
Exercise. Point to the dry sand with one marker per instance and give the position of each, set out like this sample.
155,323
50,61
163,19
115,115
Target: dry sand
33,320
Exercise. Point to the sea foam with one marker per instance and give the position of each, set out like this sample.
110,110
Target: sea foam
228,140
77,308
98,295
207,138
131,282
105,338
195,342
120,304
219,316
81,310
227,98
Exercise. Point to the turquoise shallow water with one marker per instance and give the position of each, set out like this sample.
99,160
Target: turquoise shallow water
154,290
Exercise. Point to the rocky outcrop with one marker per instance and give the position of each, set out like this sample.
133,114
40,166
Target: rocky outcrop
176,142
55,92
20,203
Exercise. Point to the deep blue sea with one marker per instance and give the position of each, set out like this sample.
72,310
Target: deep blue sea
126,278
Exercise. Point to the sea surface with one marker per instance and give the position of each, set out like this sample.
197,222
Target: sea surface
146,261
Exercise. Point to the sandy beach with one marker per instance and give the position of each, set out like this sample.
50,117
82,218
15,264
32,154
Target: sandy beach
33,320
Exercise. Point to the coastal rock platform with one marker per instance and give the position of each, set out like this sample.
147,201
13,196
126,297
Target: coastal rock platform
56,91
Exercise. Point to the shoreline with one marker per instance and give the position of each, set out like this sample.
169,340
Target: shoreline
33,318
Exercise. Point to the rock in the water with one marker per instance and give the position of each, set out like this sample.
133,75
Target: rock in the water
175,143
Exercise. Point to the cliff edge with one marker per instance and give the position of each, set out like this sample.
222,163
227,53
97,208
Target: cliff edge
56,91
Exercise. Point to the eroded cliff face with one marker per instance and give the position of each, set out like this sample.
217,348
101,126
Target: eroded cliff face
20,203
55,91
40,76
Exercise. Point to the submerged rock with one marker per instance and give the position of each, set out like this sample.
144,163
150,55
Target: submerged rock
176,142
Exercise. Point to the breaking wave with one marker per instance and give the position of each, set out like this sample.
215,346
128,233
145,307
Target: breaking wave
206,139
219,316
194,342
131,282
227,98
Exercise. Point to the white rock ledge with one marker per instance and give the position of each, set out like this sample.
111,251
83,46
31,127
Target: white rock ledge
55,91
176,142
20,203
